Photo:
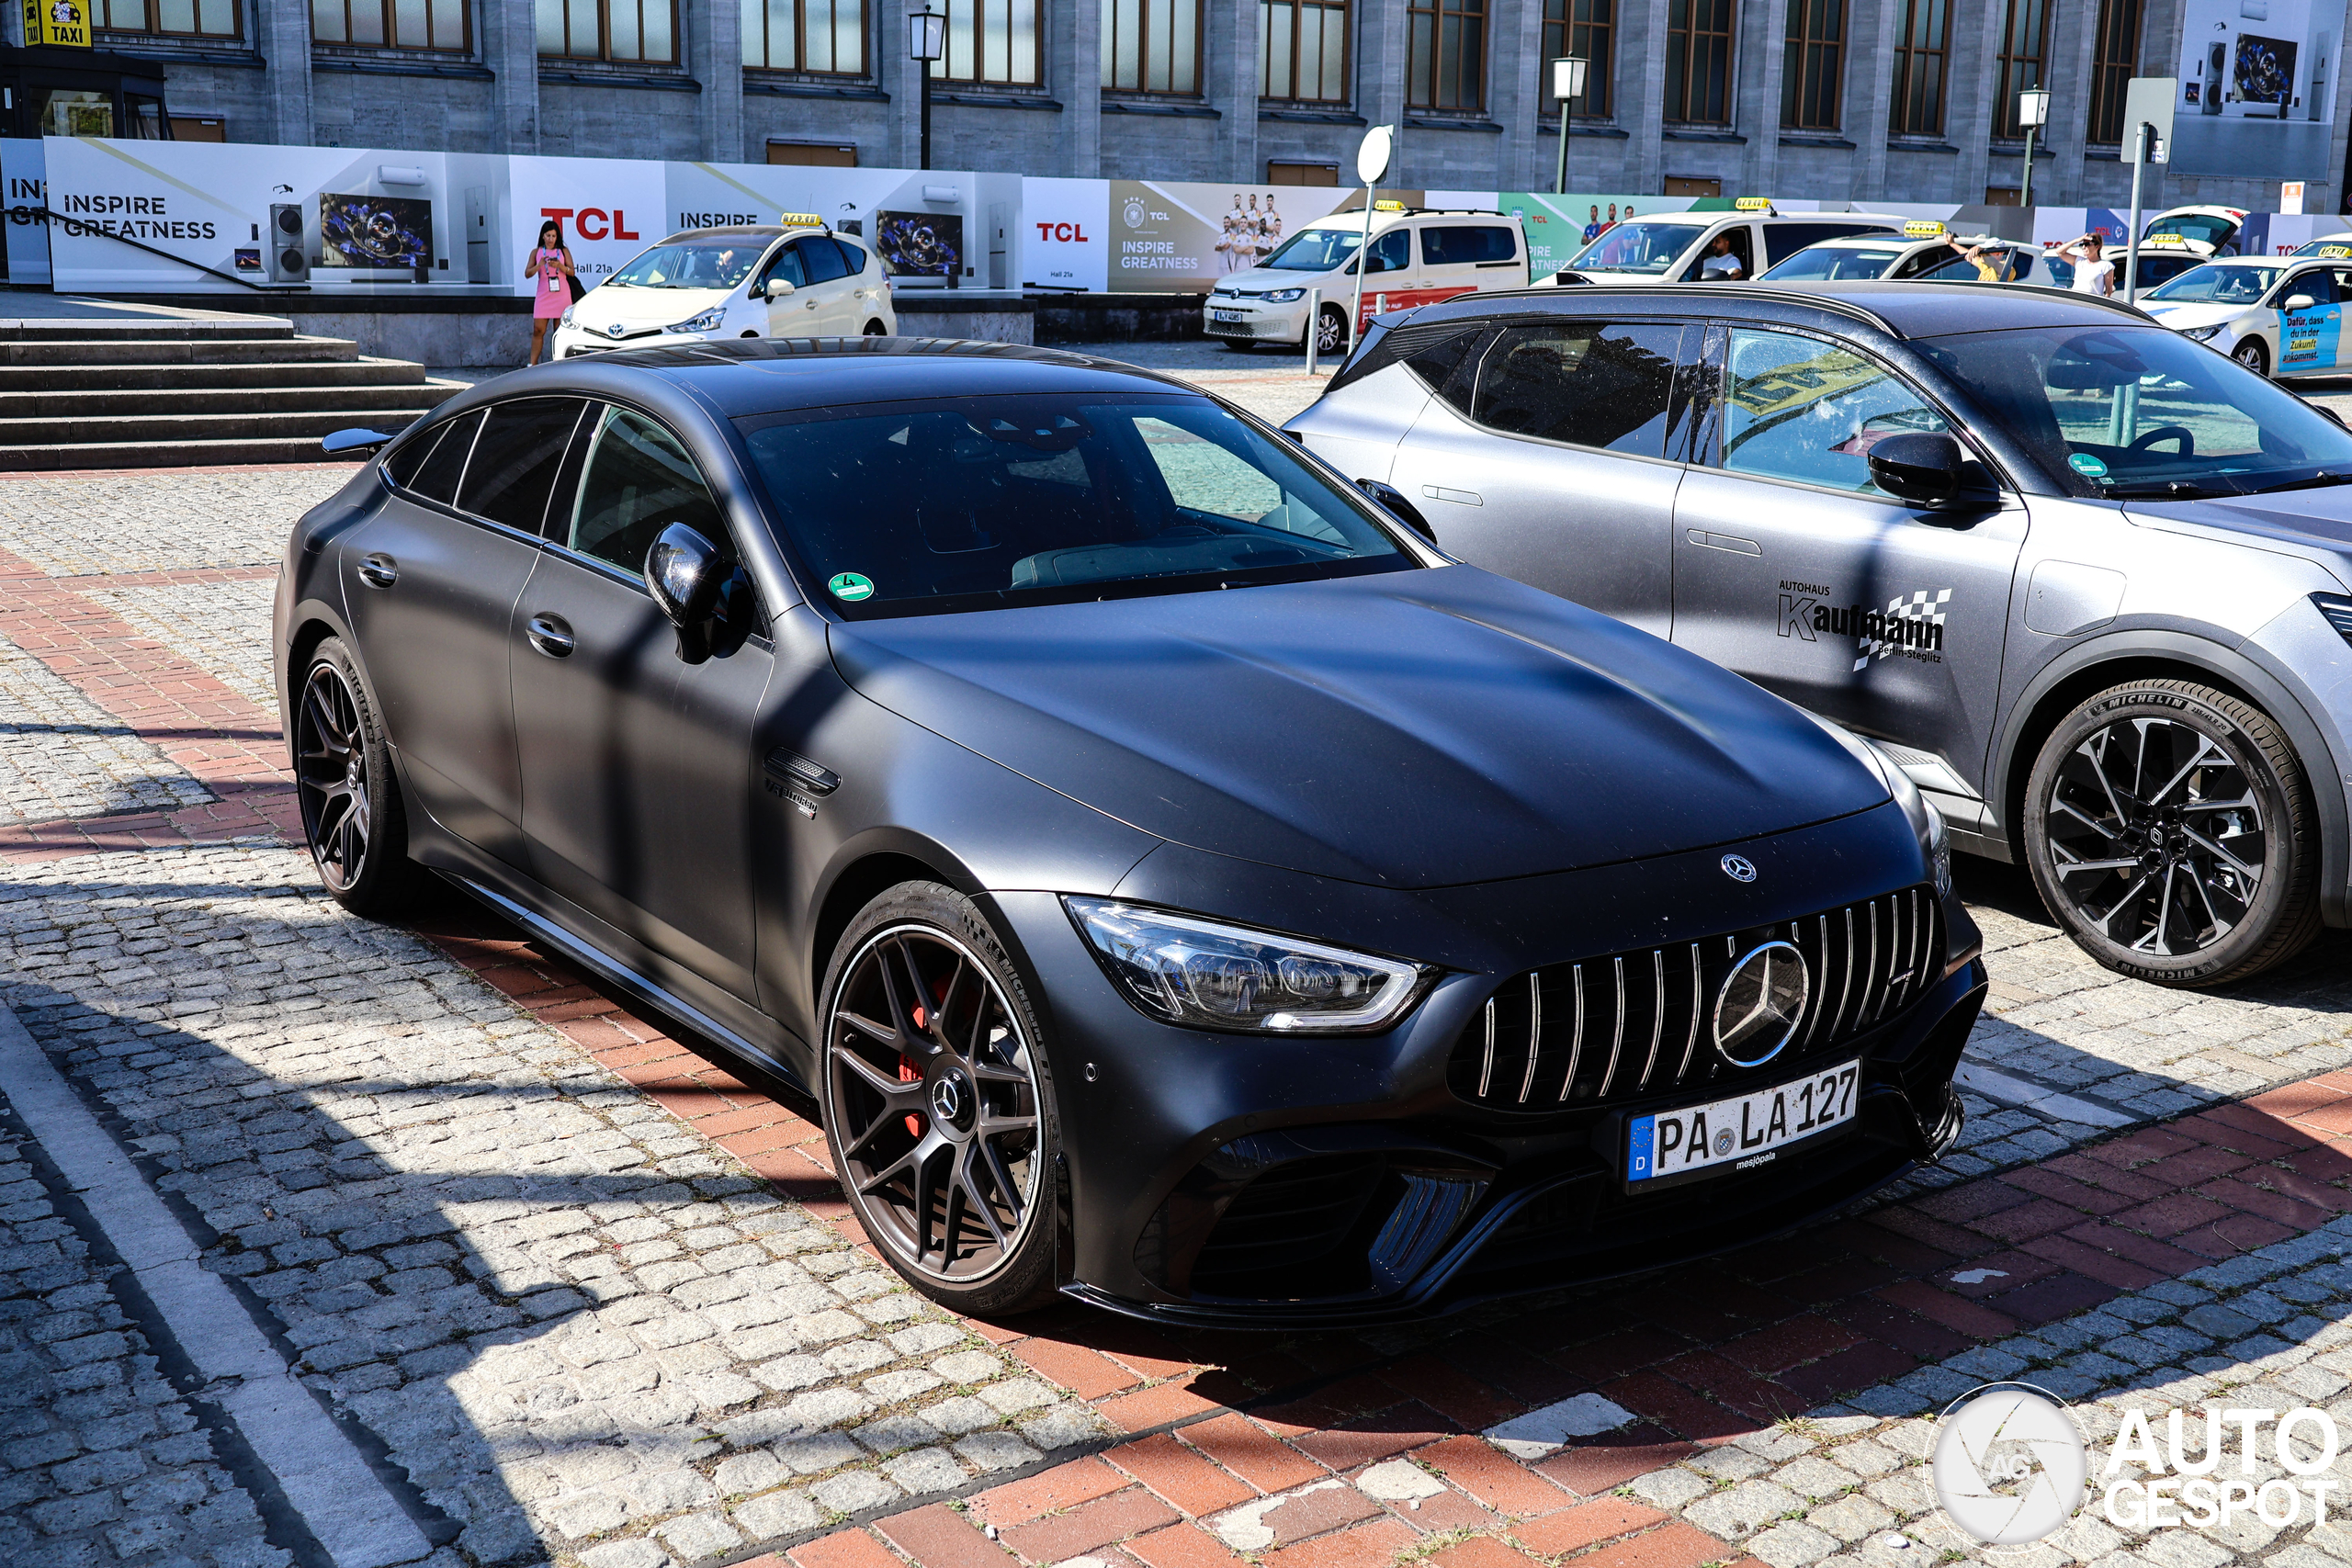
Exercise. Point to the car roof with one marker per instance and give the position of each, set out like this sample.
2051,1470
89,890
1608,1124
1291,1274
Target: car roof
2256,260
742,231
1898,309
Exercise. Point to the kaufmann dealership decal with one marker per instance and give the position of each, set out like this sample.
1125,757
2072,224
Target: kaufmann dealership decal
1908,628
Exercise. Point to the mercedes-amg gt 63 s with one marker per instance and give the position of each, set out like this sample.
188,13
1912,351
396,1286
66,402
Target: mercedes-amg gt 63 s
1179,884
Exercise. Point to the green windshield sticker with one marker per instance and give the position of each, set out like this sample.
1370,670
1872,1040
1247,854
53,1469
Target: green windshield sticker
852,587
2082,463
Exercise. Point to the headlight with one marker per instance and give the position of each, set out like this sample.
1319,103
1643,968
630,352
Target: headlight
2200,334
565,320
1934,840
710,320
1184,970
1284,296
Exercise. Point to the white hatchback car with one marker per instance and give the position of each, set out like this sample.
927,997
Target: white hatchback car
2275,315
796,280
1915,257
1419,255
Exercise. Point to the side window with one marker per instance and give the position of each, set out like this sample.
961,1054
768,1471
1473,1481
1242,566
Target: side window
852,257
788,265
1591,383
404,461
2319,283
1391,252
436,476
516,461
1783,240
1710,264
1449,367
1797,407
637,482
1463,244
821,259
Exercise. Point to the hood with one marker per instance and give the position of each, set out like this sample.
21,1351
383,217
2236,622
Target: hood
1413,729
605,304
1260,279
2179,316
2307,519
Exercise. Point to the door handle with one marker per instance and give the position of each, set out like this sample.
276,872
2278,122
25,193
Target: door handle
551,635
378,571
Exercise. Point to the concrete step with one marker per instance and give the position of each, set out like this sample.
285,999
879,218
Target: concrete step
78,405
156,329
160,454
360,372
148,351
127,429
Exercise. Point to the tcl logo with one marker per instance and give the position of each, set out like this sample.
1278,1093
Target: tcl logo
1067,231
614,226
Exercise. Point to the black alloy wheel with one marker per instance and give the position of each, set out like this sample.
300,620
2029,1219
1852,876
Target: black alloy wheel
2252,356
2168,827
351,807
1330,331
937,1101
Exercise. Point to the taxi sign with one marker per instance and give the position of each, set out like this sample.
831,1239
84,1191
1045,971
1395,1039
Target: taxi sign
2334,253
1388,206
61,23
1753,204
2165,242
791,220
1923,228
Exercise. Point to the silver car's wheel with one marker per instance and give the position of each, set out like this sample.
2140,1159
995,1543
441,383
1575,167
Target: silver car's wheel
935,1100
2168,828
2251,354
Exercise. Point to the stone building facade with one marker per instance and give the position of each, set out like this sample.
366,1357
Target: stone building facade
1869,100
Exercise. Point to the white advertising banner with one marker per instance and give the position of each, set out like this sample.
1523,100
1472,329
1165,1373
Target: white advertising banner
2257,87
25,187
1065,242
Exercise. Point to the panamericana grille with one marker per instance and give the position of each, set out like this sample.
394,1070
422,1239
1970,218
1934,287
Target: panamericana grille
1570,1036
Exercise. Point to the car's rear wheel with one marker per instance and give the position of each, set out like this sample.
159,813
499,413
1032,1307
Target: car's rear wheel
2169,827
938,1102
2252,356
1330,329
352,816
876,328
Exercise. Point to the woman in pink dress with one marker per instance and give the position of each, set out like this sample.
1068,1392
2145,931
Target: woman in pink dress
550,263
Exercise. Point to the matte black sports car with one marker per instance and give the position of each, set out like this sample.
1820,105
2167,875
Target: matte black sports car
1181,885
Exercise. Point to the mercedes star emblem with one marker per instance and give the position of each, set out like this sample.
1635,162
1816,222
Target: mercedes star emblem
946,1099
1739,868
1763,998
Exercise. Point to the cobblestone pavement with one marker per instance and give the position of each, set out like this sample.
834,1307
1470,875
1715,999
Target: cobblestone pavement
596,1300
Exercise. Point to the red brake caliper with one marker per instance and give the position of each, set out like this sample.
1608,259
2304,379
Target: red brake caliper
906,1074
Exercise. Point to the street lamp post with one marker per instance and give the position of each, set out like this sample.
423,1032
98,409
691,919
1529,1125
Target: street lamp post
1567,85
926,42
2034,113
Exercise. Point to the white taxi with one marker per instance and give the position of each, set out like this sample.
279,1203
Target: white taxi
2275,315
2327,247
1418,255
1682,247
794,280
1926,251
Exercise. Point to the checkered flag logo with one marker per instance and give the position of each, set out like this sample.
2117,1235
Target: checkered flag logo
1919,608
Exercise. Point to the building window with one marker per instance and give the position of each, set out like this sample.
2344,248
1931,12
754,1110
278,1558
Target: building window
639,31
1586,28
825,36
1814,72
1919,69
173,18
1698,62
1151,46
2115,55
1445,66
2025,37
1304,44
1279,173
991,41
383,24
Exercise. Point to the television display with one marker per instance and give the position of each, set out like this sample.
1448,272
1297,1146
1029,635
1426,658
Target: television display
375,231
921,244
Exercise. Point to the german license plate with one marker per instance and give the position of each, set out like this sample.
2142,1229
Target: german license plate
1739,1134
1228,316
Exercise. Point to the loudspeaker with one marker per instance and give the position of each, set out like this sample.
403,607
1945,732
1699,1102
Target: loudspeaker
2217,64
289,261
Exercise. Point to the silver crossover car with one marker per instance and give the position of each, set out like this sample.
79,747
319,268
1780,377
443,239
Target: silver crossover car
2088,582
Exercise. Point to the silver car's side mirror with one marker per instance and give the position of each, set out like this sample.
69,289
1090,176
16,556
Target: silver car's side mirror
685,573
778,288
1928,470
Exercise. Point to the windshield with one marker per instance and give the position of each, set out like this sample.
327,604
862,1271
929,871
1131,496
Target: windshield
2210,285
2195,226
1824,263
1315,250
1644,246
693,264
2119,412
971,504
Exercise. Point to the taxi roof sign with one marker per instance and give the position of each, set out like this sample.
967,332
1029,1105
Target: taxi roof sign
2334,253
2166,242
1753,204
790,220
1388,206
1923,228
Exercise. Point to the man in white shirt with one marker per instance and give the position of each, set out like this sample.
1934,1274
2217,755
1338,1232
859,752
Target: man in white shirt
1721,263
2093,273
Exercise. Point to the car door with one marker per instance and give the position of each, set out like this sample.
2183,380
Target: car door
821,304
1460,258
1389,273
1792,567
2310,336
637,767
1552,454
431,578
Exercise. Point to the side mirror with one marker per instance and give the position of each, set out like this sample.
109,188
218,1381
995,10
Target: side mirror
1925,468
1392,501
778,288
684,572
2299,302
344,441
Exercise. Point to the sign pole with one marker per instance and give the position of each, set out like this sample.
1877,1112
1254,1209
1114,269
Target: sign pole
1372,162
2139,134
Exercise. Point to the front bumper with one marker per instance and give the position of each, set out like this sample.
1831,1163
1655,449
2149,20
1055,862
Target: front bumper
1403,1196
1262,322
572,342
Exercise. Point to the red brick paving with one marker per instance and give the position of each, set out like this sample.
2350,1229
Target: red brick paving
1713,1353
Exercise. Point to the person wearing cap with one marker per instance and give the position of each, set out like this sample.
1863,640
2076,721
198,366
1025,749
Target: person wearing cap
1979,255
2094,273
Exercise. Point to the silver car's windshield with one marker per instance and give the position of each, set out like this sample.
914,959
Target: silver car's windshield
1315,250
1644,246
971,504
2210,285
1831,263
2121,412
697,263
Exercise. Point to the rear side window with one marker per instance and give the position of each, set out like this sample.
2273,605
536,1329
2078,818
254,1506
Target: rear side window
637,482
515,459
821,259
1465,245
852,257
1602,384
1785,240
436,476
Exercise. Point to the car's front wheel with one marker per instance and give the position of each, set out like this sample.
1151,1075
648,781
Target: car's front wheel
1330,329
938,1102
876,328
352,817
2252,356
2169,827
